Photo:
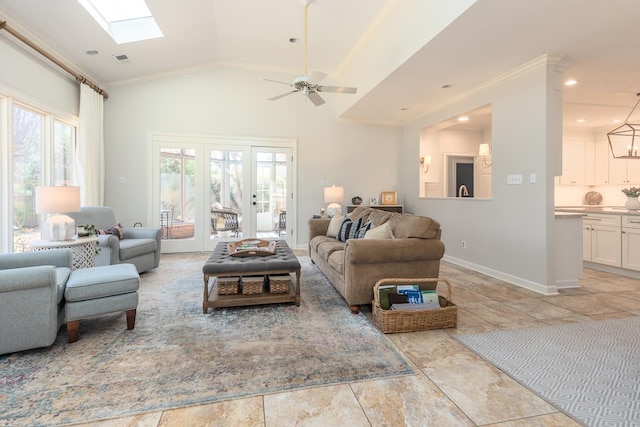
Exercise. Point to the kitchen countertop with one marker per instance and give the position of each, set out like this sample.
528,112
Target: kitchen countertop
610,210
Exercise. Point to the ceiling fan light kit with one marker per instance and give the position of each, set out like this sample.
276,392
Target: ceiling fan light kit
307,84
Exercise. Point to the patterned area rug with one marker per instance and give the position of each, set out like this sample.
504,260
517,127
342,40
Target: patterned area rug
591,371
177,356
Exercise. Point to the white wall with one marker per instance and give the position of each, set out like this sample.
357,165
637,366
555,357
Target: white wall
361,158
510,235
36,82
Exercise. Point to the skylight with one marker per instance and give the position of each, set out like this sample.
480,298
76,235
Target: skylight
124,20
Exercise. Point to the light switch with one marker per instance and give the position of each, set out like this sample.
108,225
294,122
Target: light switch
514,179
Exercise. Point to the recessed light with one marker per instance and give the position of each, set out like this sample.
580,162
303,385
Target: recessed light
463,119
92,52
614,121
571,82
581,120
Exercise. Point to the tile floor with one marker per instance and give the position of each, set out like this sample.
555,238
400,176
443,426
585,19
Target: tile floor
453,386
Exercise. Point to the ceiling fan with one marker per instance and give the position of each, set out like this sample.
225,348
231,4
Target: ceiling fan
307,84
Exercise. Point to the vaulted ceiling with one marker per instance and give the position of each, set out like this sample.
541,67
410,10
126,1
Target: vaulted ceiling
598,40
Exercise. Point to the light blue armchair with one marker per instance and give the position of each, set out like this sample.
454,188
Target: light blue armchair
32,286
140,246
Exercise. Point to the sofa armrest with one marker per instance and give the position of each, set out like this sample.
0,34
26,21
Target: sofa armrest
363,251
55,257
142,233
318,227
23,278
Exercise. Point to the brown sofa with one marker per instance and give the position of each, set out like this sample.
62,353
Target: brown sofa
354,266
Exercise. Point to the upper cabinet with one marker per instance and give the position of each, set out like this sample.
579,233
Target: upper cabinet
589,163
574,158
624,171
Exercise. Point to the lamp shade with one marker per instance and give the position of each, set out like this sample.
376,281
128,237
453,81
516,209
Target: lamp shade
57,199
333,194
484,150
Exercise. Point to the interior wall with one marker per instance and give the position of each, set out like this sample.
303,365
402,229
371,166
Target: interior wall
362,158
37,82
507,236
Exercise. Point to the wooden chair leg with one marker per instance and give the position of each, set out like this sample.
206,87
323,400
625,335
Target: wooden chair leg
72,330
355,309
131,318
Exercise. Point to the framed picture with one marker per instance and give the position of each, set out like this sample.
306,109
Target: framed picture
373,200
389,198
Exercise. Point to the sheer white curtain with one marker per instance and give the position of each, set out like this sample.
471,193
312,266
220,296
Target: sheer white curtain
89,170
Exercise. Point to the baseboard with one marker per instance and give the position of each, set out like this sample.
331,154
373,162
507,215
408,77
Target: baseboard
514,280
609,269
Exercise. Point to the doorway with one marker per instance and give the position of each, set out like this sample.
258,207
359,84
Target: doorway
209,189
460,176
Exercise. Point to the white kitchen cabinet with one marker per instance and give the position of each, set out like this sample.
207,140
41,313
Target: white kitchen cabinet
603,234
631,242
624,171
573,163
597,163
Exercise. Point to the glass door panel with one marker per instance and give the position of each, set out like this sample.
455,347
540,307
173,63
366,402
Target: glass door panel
226,189
271,189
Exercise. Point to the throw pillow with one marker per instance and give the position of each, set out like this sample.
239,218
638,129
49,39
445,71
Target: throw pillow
363,230
116,230
381,232
334,226
353,231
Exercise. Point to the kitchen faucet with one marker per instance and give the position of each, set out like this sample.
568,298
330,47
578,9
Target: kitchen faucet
462,191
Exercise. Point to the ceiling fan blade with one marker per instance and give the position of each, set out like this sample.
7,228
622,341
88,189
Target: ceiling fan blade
282,96
316,77
276,81
337,89
315,98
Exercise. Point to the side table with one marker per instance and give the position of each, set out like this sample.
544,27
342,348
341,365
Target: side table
83,249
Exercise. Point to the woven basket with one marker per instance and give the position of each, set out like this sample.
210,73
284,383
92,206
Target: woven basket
279,284
227,285
252,285
390,321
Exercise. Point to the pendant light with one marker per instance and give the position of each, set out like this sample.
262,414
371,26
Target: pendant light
622,139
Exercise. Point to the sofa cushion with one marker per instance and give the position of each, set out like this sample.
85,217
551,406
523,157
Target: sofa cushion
379,217
99,282
360,212
380,232
325,249
130,248
62,275
317,240
406,226
334,225
336,261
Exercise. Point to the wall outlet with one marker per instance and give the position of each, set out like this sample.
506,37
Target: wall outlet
464,244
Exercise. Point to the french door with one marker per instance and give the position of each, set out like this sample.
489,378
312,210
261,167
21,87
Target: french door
208,189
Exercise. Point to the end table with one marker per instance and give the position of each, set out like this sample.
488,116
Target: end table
83,249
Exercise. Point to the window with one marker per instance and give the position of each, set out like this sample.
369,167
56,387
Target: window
38,150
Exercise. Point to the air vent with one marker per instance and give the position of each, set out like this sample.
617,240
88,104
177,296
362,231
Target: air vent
122,59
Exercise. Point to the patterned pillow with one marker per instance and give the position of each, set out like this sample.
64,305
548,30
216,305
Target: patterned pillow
116,230
348,229
353,231
361,232
345,227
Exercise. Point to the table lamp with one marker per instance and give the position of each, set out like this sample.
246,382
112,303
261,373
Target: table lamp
333,195
55,200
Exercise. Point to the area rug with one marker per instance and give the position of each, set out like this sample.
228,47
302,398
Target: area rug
177,356
590,371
